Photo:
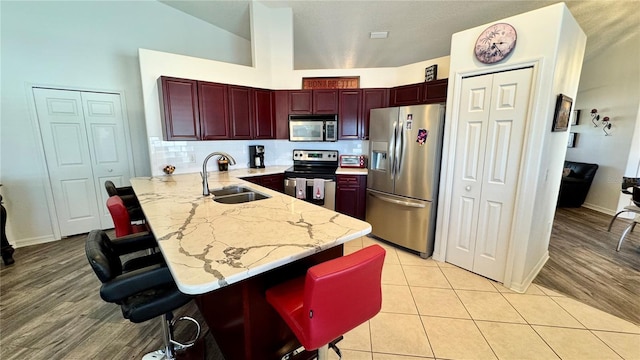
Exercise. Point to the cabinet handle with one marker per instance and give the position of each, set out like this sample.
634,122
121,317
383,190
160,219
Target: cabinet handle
110,170
468,188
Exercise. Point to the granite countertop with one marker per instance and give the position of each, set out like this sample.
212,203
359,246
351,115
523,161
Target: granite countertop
351,171
249,172
208,245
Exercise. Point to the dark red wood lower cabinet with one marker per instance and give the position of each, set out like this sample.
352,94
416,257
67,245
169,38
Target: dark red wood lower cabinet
241,321
351,195
273,181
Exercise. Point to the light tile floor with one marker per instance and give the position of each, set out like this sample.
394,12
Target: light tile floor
434,310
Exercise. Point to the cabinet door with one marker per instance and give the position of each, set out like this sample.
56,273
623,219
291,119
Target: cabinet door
214,119
253,179
263,114
281,113
325,101
435,91
274,182
349,114
300,102
371,99
180,109
351,195
407,95
240,112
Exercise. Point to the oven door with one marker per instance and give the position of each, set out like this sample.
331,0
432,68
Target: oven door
329,200
306,130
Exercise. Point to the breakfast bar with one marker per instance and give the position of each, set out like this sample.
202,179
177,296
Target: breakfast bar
228,254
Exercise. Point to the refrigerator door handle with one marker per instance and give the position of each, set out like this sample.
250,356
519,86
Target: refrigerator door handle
394,201
398,146
400,151
392,153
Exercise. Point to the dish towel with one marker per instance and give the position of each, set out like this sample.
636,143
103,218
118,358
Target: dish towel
318,189
301,188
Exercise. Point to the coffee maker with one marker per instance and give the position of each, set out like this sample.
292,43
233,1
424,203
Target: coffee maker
256,156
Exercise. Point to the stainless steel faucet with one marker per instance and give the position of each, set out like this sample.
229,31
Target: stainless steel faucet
205,183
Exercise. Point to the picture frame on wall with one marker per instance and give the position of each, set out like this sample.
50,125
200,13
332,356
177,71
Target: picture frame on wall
571,142
575,117
430,73
562,113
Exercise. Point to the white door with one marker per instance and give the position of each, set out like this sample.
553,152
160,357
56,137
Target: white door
492,121
84,144
107,146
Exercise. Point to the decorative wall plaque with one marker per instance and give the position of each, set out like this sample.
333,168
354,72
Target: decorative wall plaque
345,82
431,73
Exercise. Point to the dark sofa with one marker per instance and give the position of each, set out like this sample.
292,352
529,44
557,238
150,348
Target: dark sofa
576,181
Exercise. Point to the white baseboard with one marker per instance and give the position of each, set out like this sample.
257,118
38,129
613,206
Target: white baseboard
34,241
599,209
524,285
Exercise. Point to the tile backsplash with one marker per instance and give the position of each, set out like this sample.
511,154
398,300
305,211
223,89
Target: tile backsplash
187,156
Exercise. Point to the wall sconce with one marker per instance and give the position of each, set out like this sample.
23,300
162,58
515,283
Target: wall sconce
595,117
606,122
606,125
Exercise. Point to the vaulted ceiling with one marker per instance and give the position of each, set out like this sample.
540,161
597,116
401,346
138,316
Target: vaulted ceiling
335,34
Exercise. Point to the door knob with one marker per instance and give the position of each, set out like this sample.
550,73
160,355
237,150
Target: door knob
468,188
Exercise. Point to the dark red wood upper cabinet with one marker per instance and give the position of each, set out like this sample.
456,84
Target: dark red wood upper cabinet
300,102
371,99
435,91
264,127
200,110
349,115
281,113
213,105
240,112
181,117
325,101
406,95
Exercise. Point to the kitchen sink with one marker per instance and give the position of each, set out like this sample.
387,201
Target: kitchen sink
230,190
237,195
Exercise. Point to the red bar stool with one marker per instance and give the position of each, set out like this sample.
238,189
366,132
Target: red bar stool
121,219
333,298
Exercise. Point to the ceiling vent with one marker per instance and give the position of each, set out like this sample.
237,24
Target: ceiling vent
378,34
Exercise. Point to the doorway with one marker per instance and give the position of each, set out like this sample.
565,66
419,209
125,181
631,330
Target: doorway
84,140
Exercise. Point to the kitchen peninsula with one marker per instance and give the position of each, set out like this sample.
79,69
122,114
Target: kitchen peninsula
228,254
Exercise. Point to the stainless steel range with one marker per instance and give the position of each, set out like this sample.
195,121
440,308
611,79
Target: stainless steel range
313,177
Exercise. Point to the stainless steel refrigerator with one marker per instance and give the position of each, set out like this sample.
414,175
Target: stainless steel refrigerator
404,170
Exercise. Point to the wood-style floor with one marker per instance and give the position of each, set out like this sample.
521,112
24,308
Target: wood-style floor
585,265
50,306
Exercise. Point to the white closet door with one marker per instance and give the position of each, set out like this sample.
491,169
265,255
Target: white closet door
507,120
493,115
68,160
107,146
84,140
469,164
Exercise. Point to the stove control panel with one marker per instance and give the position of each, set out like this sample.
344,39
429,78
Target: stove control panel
316,155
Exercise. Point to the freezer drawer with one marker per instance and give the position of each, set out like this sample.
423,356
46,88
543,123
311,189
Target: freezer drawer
407,222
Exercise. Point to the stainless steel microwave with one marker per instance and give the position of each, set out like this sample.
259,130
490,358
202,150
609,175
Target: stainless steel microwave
313,127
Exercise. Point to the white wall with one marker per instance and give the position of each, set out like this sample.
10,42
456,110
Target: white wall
610,82
83,45
551,41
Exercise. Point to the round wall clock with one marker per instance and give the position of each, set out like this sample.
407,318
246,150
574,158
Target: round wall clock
495,43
